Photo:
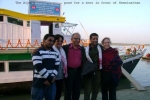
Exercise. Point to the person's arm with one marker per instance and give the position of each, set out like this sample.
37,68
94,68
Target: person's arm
116,49
116,62
37,63
83,57
34,50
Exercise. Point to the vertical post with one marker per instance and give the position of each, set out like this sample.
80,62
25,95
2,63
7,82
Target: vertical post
50,27
5,19
5,26
6,64
27,49
2,34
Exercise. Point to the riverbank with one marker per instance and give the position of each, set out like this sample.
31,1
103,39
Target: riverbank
128,44
127,94
123,94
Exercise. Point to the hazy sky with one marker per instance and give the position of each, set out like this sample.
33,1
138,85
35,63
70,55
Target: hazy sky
123,23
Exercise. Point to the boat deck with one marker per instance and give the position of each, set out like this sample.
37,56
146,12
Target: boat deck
17,67
16,50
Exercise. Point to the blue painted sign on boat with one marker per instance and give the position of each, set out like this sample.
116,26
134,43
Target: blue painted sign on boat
44,8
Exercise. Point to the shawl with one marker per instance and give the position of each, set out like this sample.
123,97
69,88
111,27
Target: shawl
112,63
100,55
62,57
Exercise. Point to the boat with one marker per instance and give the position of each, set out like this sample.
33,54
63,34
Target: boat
15,57
130,61
17,43
147,56
130,65
131,56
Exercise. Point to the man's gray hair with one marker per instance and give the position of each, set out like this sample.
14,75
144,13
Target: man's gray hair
75,33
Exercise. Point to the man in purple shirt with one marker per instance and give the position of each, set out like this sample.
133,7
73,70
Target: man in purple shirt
75,58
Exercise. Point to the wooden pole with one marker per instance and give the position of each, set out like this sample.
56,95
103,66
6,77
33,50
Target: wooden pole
132,80
84,29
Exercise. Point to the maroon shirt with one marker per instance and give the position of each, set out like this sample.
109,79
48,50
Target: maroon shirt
74,57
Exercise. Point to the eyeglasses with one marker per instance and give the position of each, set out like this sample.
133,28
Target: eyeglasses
77,39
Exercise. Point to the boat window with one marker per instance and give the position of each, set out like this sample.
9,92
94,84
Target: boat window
28,23
15,21
20,66
2,67
1,18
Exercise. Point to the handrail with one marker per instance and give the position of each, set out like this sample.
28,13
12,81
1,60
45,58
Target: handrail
36,43
19,43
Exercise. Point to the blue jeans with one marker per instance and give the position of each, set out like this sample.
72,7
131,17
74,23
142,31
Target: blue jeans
48,93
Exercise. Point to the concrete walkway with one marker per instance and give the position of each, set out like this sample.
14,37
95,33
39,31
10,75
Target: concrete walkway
127,94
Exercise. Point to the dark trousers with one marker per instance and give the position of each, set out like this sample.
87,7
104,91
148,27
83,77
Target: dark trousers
59,87
73,84
108,86
91,83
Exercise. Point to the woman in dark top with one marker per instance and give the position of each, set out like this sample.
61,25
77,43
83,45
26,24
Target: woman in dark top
111,71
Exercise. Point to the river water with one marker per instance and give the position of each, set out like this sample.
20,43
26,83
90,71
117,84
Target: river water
141,73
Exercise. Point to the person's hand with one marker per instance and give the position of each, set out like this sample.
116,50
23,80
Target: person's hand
35,50
47,83
54,78
116,49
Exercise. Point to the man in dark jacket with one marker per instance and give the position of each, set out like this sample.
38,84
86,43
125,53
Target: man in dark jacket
91,82
75,58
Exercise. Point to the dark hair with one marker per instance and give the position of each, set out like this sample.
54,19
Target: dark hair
47,36
57,36
105,39
93,34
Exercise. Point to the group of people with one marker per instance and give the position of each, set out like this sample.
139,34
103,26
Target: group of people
56,66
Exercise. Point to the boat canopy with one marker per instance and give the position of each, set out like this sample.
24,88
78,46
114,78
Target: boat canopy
69,24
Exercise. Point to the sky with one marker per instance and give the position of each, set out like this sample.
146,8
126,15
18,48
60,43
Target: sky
123,23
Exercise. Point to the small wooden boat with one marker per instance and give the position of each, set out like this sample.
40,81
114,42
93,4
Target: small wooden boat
148,58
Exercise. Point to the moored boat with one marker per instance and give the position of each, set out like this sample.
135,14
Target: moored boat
130,61
147,56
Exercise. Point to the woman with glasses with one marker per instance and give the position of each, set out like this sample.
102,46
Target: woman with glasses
111,70
62,72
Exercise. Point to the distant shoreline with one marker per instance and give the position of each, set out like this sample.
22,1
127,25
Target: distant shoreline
129,44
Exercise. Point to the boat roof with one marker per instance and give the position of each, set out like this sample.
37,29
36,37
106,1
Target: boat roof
67,24
32,17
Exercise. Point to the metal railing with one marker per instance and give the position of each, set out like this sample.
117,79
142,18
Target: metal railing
27,44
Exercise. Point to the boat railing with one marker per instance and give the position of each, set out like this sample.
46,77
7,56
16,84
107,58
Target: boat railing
27,44
22,43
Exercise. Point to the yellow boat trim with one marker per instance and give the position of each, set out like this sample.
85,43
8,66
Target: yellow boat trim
31,17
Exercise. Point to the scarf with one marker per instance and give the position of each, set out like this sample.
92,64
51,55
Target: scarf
62,57
112,63
100,55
